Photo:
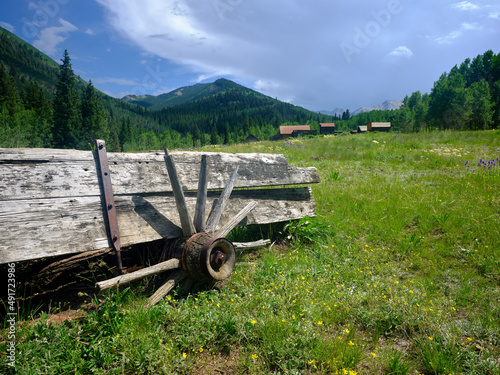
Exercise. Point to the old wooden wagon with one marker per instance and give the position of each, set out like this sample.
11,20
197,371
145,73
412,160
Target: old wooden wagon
66,202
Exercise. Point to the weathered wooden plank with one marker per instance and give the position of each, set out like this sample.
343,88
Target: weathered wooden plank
32,229
50,173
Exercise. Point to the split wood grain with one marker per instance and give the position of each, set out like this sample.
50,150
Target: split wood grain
32,229
50,173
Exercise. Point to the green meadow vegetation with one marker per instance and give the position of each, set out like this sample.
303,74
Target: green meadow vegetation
399,273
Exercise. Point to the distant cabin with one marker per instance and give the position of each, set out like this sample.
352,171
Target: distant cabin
287,131
326,128
378,126
362,128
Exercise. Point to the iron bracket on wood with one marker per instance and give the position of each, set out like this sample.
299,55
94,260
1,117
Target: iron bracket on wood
109,200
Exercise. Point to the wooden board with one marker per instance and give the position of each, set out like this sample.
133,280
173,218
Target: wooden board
48,173
50,200
58,226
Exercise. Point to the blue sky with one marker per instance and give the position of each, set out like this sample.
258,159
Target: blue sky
319,54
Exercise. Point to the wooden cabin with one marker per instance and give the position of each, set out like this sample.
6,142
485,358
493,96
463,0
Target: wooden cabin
378,126
362,128
326,128
287,131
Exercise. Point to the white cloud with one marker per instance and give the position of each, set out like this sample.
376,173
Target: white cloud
402,51
465,5
89,31
398,55
471,26
7,26
291,49
50,37
449,38
464,27
494,15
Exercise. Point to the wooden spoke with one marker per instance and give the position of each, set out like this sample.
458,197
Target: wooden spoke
201,199
214,217
251,245
140,274
176,277
229,226
186,223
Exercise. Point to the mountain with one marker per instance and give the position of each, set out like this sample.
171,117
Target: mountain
335,112
225,103
222,104
387,105
183,95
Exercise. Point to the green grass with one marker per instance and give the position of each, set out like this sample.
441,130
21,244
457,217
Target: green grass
398,274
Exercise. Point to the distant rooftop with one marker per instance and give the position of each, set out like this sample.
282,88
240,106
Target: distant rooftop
379,126
289,129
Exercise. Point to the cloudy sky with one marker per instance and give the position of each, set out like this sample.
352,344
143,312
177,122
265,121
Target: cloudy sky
319,54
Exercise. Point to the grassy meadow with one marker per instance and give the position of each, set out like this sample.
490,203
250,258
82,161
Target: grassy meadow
399,273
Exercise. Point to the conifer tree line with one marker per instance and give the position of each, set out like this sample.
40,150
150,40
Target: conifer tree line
466,98
74,113
29,119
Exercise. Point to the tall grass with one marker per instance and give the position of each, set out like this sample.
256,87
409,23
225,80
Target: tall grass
398,274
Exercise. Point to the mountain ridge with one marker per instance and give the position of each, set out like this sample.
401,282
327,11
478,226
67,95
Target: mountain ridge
387,105
185,94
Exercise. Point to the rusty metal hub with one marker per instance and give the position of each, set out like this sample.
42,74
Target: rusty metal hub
206,258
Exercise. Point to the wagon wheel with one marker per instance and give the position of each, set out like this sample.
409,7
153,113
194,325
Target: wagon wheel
202,253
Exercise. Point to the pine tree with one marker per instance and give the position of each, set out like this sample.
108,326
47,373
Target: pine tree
227,135
66,114
480,105
213,136
94,122
9,93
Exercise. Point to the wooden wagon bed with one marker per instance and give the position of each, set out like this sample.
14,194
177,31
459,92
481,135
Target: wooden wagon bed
51,201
